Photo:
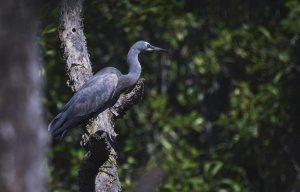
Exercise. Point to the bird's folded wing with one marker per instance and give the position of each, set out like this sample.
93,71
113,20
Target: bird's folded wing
93,98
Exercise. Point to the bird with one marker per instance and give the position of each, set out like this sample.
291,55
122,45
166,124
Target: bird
100,92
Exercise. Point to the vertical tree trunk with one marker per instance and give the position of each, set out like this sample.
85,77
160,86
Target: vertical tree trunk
73,43
98,170
23,137
78,67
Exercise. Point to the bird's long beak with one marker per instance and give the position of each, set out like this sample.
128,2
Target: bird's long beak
153,48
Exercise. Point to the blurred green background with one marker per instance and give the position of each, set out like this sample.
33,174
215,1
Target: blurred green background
220,114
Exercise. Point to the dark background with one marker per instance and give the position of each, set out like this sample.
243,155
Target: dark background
220,113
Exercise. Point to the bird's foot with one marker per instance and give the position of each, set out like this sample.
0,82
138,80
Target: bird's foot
84,140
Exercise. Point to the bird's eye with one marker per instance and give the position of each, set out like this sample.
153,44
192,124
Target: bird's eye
148,46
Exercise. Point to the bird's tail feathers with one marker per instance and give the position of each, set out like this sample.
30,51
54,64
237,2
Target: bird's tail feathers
57,126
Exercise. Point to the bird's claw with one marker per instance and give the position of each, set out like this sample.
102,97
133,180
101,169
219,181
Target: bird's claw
84,140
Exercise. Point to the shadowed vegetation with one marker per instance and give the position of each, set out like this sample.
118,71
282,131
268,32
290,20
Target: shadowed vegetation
221,113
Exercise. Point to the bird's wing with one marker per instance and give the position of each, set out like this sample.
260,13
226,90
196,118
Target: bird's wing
93,80
89,83
94,98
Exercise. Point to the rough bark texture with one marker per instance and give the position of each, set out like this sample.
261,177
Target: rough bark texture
128,100
98,170
23,136
73,43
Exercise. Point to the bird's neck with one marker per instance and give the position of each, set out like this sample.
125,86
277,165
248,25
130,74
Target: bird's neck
134,65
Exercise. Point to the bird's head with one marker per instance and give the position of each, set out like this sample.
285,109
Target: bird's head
145,46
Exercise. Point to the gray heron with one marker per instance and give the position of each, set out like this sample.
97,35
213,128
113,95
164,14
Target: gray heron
100,92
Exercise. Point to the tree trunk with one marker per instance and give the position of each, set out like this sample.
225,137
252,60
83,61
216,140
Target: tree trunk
23,136
98,170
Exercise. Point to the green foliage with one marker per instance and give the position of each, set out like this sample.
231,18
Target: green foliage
219,114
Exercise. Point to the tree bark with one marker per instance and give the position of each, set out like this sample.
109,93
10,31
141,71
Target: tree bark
23,142
98,170
73,43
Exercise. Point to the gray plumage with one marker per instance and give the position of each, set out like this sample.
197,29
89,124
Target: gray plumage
100,92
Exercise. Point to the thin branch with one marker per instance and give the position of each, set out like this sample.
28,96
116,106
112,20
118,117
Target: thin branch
127,101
